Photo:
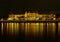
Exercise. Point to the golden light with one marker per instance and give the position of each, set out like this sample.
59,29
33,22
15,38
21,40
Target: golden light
2,28
30,28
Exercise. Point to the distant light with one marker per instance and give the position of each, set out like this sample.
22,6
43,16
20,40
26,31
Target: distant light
54,18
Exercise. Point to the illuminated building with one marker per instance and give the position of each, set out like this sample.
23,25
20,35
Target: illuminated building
14,16
36,29
31,16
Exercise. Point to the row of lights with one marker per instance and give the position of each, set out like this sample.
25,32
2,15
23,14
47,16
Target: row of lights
40,17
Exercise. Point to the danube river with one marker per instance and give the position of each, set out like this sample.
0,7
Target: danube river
29,31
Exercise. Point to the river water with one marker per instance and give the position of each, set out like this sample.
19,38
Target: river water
29,31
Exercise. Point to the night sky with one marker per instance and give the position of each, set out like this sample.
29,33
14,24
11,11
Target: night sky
20,6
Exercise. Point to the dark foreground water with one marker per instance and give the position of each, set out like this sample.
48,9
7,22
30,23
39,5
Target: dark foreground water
29,32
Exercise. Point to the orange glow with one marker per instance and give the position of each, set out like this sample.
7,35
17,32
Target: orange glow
2,28
29,28
59,28
31,16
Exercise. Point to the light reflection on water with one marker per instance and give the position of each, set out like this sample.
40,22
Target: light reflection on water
59,28
51,30
35,29
12,28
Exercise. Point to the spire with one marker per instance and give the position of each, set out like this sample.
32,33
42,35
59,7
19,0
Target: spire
26,14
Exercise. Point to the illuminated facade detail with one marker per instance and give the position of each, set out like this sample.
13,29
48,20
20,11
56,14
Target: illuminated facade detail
32,16
14,17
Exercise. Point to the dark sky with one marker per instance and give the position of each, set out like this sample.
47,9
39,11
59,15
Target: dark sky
20,6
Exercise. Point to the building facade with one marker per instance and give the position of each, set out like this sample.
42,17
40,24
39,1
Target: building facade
31,16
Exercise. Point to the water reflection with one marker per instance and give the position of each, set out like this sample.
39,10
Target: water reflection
2,28
51,30
59,31
30,29
59,28
10,28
